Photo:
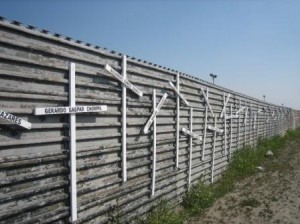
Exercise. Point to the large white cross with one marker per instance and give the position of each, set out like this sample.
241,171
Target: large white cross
155,112
226,100
207,102
72,110
179,94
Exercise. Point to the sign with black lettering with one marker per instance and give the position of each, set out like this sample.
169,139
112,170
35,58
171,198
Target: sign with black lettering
125,82
69,110
188,132
15,120
155,112
215,129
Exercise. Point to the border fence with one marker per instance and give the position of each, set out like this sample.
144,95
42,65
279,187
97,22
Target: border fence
88,134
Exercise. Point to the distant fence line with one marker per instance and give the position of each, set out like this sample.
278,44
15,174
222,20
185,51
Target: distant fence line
87,134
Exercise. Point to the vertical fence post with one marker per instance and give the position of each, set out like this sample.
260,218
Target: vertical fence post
239,128
72,99
154,145
204,137
264,124
225,128
245,122
191,148
257,126
213,152
177,121
230,145
124,120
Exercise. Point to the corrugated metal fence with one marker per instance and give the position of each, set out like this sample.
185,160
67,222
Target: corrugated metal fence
34,164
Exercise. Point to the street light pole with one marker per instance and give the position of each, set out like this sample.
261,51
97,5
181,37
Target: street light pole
213,77
264,96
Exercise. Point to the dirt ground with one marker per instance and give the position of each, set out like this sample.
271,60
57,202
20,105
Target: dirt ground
270,196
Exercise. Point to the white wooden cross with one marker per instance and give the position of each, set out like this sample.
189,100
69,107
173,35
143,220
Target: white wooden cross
212,128
255,118
72,110
123,80
207,102
215,130
232,116
154,146
205,124
15,120
226,100
176,90
192,135
155,112
246,115
240,110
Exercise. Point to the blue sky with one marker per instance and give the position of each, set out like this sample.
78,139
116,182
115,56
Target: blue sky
253,46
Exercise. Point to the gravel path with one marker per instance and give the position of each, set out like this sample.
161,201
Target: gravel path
270,196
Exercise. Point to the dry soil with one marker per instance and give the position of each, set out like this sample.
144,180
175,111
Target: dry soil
270,196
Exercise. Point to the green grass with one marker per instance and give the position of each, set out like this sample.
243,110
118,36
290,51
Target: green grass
164,213
201,196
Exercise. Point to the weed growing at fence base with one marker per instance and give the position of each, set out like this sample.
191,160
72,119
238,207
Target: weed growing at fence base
164,213
201,196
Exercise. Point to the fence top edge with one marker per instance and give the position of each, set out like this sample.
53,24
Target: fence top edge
117,55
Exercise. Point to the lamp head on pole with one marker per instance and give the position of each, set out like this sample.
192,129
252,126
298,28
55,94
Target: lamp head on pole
213,77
